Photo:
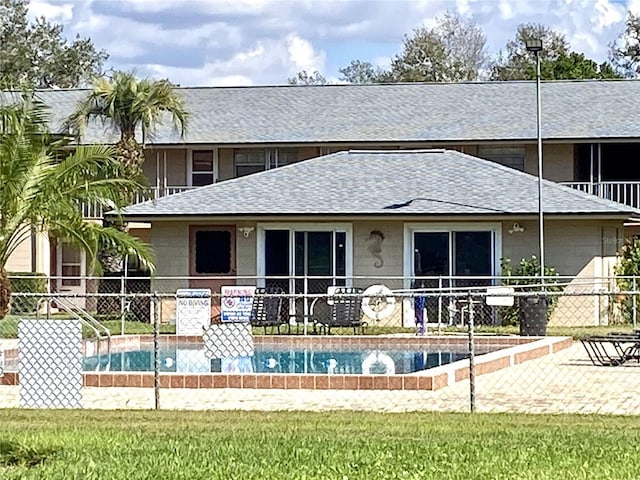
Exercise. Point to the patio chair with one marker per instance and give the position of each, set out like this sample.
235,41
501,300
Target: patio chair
613,349
269,309
342,309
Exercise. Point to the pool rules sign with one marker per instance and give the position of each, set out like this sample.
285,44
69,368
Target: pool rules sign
193,310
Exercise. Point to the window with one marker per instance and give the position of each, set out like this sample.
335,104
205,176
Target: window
213,252
202,168
512,157
248,161
71,266
282,156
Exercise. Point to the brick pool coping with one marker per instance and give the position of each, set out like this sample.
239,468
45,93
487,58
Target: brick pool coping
515,350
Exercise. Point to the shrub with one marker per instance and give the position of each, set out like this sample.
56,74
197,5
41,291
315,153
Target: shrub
26,282
628,265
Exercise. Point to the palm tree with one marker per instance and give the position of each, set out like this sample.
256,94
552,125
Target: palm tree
128,104
44,185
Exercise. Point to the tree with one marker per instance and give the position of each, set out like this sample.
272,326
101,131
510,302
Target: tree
557,61
128,104
574,66
625,54
454,50
37,53
43,187
362,72
304,78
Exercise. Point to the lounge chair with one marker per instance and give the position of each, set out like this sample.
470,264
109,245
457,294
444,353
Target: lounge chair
613,349
269,309
342,309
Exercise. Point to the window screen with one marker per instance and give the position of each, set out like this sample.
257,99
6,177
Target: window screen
202,168
512,157
213,251
249,161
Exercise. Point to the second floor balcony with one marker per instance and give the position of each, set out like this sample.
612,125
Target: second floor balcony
627,193
95,211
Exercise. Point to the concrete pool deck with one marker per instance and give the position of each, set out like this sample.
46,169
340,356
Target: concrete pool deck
563,382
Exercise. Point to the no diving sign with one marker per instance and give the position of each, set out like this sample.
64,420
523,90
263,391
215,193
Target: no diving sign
193,310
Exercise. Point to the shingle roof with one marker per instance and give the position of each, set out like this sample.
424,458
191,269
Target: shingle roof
421,182
394,113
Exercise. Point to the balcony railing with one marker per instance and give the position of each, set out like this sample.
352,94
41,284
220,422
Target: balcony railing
94,211
627,193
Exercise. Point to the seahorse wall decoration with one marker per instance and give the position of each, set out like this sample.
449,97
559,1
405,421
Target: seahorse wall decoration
376,237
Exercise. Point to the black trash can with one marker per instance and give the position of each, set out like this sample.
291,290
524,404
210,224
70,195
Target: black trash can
533,315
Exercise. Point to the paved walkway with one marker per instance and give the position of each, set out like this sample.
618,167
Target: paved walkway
562,383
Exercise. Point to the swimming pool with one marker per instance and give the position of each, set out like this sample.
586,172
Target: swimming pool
493,353
273,359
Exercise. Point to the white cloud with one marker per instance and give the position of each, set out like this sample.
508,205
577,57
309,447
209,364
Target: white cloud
269,61
54,12
506,12
213,42
303,55
609,13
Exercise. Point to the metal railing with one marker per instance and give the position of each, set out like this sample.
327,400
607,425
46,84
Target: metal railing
94,210
627,193
99,330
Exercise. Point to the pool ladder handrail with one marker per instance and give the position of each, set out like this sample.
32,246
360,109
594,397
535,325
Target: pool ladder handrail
101,332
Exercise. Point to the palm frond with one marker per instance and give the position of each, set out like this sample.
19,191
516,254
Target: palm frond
126,104
43,187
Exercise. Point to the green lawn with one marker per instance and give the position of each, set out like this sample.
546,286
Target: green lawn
9,329
346,445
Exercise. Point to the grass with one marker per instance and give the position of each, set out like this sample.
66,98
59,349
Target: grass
341,445
575,332
9,329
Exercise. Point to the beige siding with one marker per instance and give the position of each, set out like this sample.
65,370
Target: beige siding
557,161
246,261
20,260
170,242
176,171
177,168
469,149
365,263
226,169
582,249
570,246
305,153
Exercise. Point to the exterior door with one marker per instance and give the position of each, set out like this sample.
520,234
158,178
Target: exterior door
70,270
457,258
320,260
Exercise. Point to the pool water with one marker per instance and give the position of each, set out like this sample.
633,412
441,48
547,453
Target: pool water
270,359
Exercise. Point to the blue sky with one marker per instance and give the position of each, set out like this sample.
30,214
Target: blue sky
263,42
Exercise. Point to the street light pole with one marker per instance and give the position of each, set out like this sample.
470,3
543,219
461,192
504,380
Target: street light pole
535,45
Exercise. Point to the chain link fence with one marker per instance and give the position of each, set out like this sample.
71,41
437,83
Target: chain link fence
446,344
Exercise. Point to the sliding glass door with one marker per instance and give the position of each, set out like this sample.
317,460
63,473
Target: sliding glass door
316,258
453,253
452,259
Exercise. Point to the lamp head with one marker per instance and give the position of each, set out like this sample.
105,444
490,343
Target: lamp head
533,44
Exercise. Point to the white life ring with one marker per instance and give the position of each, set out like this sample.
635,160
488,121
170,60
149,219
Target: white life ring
378,357
378,302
